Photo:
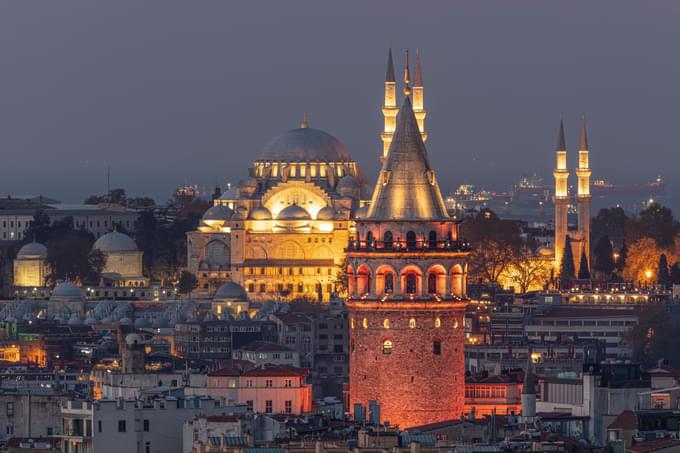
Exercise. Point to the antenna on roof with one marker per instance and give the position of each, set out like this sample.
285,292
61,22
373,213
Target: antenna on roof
108,180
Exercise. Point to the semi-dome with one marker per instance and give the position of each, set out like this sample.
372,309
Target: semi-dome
293,212
305,144
231,290
326,213
260,213
67,290
115,242
32,250
217,213
361,213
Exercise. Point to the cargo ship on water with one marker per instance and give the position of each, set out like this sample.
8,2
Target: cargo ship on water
602,187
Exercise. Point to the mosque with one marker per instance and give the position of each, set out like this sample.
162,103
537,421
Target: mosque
282,231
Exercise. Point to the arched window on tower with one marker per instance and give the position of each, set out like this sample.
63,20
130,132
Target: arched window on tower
437,347
387,240
411,239
411,283
432,239
389,283
432,283
369,239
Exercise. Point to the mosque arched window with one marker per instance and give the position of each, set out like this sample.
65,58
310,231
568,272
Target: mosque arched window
364,323
386,323
437,322
387,347
387,240
411,239
412,323
369,238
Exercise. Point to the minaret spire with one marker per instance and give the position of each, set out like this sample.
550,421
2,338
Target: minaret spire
419,97
389,108
583,196
407,77
561,199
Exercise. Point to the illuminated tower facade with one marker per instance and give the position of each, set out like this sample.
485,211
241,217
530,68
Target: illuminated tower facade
407,271
389,108
561,175
583,197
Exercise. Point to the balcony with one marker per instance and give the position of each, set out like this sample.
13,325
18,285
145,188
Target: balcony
399,246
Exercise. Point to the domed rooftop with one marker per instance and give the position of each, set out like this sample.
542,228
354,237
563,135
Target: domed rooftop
260,213
326,213
133,339
305,144
32,250
231,290
67,290
348,182
218,213
115,242
293,212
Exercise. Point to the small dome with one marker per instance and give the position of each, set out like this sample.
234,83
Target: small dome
231,290
75,320
33,250
305,144
260,213
141,323
204,265
247,187
326,213
115,242
133,339
348,181
67,290
361,212
107,320
217,213
545,251
125,321
293,212
90,321
240,214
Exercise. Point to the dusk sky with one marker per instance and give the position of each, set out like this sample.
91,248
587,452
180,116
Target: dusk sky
172,92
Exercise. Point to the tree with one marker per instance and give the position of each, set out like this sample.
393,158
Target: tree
187,282
664,277
583,272
527,272
604,256
39,228
654,337
656,222
675,273
609,222
71,257
642,260
567,271
620,263
496,243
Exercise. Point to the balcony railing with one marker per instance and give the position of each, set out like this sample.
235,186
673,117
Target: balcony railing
408,246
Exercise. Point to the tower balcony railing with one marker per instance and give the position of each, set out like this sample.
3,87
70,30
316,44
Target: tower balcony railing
408,246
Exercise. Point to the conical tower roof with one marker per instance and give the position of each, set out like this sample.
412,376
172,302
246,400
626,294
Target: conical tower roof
407,188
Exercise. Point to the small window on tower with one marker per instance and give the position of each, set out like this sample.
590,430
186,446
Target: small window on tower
387,347
412,323
437,347
437,323
386,323
365,323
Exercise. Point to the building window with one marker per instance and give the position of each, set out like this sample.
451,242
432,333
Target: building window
387,240
269,383
10,409
364,323
411,283
289,407
412,323
437,322
389,283
147,447
432,283
386,323
432,239
411,239
268,407
249,405
387,347
121,426
288,383
99,426
146,425
437,347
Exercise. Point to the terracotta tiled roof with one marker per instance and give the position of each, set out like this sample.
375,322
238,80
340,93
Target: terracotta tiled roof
626,420
277,370
654,445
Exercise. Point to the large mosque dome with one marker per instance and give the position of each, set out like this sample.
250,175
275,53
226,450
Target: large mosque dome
115,242
305,144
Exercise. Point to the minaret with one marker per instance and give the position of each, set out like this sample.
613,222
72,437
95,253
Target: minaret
561,175
528,393
389,108
419,97
583,196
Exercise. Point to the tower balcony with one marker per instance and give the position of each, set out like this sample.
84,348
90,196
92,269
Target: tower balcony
399,246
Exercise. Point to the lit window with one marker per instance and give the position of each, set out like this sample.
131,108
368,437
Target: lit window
351,323
412,323
365,323
387,347
386,323
437,322
455,323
